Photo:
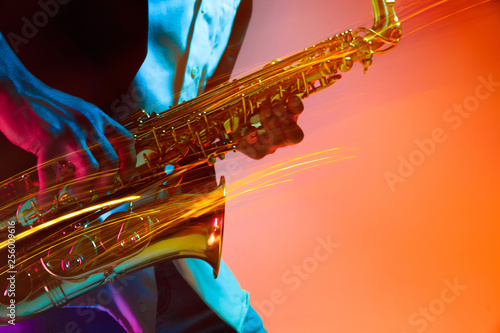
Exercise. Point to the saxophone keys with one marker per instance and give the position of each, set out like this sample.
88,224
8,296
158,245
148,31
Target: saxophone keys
212,159
28,213
66,197
146,157
328,69
366,64
232,124
346,65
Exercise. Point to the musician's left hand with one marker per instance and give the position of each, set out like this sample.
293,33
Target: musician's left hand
279,128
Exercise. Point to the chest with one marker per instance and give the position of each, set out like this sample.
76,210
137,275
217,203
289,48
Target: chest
185,44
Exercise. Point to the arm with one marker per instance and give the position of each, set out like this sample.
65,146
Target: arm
56,126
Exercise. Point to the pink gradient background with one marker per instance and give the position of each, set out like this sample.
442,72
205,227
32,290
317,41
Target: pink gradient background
396,247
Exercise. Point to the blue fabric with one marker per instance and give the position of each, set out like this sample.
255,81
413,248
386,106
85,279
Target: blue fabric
67,320
180,310
253,323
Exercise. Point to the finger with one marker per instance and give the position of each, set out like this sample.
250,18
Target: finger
86,168
259,148
268,119
273,121
123,140
251,136
264,145
278,109
108,162
293,133
294,105
47,176
265,113
275,135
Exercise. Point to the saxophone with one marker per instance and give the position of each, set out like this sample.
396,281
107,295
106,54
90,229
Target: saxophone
60,253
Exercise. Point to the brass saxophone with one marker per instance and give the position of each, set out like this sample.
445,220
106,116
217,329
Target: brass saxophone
74,247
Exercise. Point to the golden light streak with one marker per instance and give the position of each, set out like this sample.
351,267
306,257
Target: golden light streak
278,171
269,171
68,216
446,16
264,186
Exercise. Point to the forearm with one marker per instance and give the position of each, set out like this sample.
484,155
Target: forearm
18,89
12,71
15,79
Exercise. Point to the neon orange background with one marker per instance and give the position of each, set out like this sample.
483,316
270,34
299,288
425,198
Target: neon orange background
398,248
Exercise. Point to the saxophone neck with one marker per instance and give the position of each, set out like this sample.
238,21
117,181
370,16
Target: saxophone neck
385,21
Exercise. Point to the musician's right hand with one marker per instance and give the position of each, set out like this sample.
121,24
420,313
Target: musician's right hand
279,128
58,127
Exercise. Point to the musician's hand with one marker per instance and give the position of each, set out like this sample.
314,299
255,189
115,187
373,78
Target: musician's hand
279,128
57,127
